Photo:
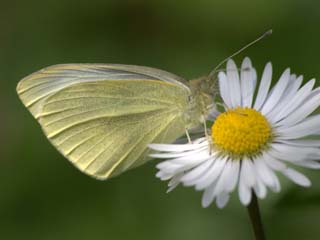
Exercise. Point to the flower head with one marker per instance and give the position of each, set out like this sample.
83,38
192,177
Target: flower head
261,132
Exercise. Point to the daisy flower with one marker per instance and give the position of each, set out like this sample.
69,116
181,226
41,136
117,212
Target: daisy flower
262,132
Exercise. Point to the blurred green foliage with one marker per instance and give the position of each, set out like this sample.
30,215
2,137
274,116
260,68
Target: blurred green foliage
43,197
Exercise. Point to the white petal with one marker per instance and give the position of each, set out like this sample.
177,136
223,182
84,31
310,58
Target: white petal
211,175
277,92
309,164
185,157
174,182
173,155
266,174
308,127
264,86
168,166
297,177
171,167
180,154
205,176
298,82
176,147
232,180
289,157
277,187
302,142
292,153
234,83
194,158
228,178
259,188
247,83
254,77
273,163
289,93
164,176
299,97
196,172
307,107
224,89
208,196
244,191
222,200
247,172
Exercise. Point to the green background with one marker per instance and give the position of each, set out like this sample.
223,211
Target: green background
43,197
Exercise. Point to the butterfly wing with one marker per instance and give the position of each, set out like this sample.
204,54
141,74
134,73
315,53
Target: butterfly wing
104,121
34,89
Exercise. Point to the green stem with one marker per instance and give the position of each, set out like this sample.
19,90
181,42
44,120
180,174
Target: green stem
255,218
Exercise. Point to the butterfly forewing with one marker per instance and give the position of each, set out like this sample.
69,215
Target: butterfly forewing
35,88
102,117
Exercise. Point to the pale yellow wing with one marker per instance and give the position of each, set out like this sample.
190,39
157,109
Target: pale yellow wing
104,127
34,89
102,116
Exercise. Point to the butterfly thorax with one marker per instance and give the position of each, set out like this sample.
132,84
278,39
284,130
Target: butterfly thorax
201,101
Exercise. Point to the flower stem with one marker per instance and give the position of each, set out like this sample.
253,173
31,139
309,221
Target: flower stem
255,218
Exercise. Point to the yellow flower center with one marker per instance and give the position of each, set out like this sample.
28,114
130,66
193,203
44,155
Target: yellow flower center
241,132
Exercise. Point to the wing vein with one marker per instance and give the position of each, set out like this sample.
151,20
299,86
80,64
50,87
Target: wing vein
123,156
134,146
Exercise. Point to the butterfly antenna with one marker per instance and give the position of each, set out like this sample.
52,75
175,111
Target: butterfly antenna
266,34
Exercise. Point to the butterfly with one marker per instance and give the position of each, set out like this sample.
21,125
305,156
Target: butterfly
102,117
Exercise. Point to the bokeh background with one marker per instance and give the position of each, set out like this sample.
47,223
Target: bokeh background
43,197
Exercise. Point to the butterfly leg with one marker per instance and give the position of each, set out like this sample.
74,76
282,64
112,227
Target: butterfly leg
188,136
224,106
205,129
208,136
